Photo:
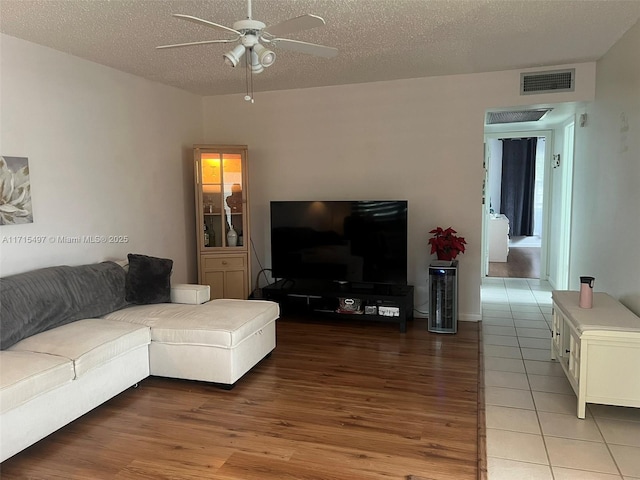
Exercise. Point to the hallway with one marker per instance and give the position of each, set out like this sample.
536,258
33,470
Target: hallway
522,262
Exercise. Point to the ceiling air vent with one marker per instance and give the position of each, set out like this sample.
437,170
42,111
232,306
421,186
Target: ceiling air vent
547,82
516,116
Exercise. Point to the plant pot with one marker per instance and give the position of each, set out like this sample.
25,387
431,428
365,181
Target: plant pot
447,256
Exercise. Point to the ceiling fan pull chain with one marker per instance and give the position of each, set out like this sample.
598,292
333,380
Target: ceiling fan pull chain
248,74
251,79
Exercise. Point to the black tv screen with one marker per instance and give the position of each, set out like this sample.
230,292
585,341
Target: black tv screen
347,241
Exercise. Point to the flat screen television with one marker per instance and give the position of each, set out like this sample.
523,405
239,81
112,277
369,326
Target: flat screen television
361,242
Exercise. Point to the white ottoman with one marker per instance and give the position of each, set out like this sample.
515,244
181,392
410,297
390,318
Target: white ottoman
218,341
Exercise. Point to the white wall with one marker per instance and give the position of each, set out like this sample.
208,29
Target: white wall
109,154
540,181
419,139
606,218
495,172
555,208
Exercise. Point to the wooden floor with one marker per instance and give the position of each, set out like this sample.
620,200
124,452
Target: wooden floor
334,401
522,262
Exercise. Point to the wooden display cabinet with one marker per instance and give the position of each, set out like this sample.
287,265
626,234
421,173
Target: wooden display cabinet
222,219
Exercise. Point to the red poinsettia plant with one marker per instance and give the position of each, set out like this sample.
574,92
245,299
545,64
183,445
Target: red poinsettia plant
446,244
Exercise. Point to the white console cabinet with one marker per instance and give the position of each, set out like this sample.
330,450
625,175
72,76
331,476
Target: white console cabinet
598,348
498,238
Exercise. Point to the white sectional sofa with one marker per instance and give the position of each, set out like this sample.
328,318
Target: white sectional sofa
76,353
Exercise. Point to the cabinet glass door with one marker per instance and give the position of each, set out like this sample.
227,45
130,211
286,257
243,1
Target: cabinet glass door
212,199
222,199
232,196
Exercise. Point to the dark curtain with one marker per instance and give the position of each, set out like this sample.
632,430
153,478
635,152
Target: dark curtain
518,181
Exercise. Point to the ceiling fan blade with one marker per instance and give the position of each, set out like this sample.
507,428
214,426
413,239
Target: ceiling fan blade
304,47
206,23
205,42
303,22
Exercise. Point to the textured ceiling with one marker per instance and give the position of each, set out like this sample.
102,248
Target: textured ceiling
377,39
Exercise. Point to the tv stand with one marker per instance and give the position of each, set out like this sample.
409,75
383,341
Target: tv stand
371,302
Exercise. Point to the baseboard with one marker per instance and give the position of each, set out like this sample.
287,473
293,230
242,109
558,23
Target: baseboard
470,317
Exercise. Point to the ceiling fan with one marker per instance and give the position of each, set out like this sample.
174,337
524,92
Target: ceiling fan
252,34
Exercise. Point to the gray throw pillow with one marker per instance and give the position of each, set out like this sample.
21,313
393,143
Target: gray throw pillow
148,279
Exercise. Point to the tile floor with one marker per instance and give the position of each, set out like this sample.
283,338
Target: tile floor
533,432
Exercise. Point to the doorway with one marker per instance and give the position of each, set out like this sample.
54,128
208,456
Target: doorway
560,223
516,243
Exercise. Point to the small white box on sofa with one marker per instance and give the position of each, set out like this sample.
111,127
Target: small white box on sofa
190,294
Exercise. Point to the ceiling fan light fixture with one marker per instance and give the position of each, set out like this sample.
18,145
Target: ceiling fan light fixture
249,33
266,57
256,66
232,57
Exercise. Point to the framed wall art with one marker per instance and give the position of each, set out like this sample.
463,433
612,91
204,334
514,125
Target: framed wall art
15,191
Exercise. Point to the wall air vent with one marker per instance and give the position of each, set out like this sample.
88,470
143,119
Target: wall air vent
547,82
516,116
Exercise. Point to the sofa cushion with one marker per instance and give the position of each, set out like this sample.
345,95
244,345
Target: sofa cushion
148,279
26,375
88,343
222,322
36,301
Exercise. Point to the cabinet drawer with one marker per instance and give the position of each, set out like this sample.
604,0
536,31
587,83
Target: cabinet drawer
223,263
